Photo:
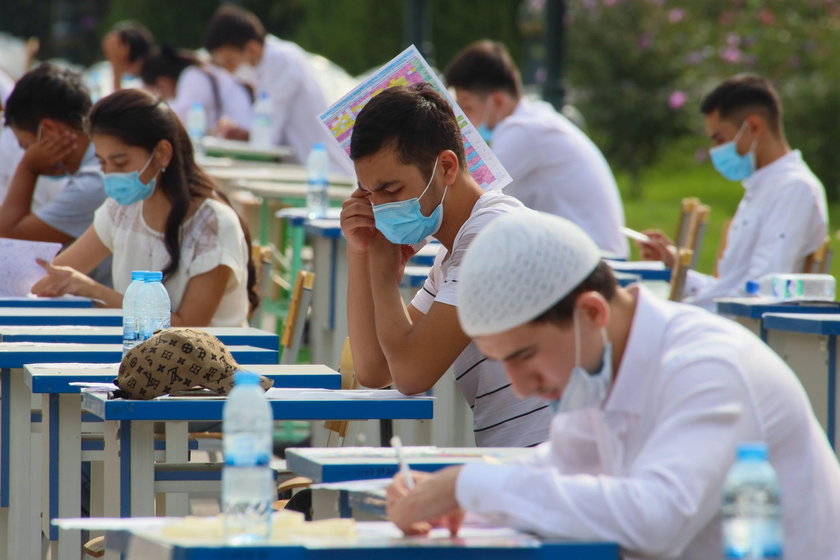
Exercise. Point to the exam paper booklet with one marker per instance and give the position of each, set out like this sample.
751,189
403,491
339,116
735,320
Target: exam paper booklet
18,269
407,68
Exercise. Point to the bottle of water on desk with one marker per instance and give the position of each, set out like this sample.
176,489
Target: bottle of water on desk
261,119
130,310
794,287
196,124
247,481
752,511
154,305
317,175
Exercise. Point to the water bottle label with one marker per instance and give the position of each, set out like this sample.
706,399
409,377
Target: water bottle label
245,450
752,538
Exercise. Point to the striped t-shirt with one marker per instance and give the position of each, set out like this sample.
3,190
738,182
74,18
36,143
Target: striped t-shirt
500,418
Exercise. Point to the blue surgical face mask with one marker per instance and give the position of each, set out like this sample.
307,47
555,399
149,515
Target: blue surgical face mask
126,188
402,223
729,162
586,389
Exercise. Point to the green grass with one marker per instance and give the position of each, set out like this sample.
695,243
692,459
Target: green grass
678,175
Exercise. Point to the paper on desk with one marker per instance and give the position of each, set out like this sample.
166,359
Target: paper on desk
375,485
112,523
18,269
370,532
407,68
336,394
637,265
97,386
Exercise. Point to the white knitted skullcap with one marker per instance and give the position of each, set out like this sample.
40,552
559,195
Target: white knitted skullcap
518,267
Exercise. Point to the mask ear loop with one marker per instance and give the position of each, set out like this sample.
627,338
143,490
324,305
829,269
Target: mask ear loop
429,184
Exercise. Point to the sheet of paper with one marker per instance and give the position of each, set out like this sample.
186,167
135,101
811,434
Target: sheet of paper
336,394
635,235
637,265
112,523
375,485
409,67
18,269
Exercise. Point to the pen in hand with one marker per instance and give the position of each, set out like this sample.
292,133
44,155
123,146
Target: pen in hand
396,443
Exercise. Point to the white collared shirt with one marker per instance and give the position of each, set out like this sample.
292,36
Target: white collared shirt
557,169
218,92
647,470
286,75
781,219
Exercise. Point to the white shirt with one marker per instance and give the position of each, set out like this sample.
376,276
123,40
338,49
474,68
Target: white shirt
647,470
211,237
285,74
196,84
781,219
557,169
500,418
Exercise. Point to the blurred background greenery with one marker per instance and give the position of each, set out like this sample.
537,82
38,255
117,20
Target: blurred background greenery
635,70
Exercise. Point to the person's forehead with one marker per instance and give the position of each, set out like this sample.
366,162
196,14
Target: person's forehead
498,346
383,165
24,137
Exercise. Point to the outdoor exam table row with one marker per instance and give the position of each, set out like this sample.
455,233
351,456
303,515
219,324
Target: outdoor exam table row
15,418
385,543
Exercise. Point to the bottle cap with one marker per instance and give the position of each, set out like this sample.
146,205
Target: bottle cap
318,146
751,287
243,377
754,450
138,275
154,276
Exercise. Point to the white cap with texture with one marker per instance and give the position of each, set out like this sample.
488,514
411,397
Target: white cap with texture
518,267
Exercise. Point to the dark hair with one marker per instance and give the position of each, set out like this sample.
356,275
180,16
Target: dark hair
232,26
742,95
48,92
601,280
139,39
416,121
140,119
484,67
167,62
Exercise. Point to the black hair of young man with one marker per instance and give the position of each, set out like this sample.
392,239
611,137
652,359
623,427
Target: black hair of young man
48,92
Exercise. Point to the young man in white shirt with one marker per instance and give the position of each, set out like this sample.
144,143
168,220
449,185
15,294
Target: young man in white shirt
555,167
236,39
652,400
414,183
782,217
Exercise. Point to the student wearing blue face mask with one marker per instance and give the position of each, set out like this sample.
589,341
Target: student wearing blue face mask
782,216
652,399
414,183
163,213
555,167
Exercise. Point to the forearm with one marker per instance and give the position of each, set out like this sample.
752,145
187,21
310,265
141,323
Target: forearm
18,202
369,361
105,296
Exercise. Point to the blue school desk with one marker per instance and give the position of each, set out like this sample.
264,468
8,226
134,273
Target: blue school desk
241,336
749,311
67,301
15,407
105,317
61,430
521,547
128,427
808,343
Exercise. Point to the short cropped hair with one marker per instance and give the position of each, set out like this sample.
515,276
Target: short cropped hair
742,95
416,121
232,26
139,39
484,67
48,92
601,280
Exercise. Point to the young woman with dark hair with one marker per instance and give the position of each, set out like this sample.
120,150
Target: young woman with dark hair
182,79
163,213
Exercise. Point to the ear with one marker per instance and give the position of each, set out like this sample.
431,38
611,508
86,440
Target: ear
163,153
498,100
593,308
756,124
449,165
52,126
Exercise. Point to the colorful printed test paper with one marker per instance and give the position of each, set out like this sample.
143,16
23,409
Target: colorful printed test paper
409,67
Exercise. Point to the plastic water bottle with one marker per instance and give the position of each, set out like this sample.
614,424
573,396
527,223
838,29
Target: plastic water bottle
792,287
247,481
130,319
158,307
317,176
752,511
261,119
196,124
